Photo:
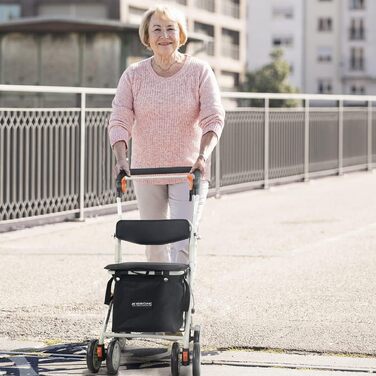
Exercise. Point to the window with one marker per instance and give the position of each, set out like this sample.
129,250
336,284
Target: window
229,80
324,86
282,41
86,10
207,30
357,58
357,29
357,89
208,5
324,54
135,15
283,13
231,8
357,4
9,12
230,43
325,24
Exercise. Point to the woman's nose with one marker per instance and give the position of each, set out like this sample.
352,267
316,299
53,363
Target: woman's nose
164,33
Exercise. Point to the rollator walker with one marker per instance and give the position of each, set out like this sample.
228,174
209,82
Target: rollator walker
151,300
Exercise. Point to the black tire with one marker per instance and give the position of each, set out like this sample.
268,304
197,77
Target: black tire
196,359
175,361
92,361
113,357
196,334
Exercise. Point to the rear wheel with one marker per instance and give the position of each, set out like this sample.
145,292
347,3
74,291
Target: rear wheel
175,359
93,362
113,357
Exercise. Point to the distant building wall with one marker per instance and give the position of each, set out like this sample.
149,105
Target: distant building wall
275,24
70,59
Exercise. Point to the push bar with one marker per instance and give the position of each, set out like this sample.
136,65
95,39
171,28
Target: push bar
144,173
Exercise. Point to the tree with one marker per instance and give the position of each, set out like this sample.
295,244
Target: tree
271,78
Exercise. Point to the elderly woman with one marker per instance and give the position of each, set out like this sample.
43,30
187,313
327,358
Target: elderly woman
170,105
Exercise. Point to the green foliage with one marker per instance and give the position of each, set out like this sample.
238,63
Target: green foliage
271,78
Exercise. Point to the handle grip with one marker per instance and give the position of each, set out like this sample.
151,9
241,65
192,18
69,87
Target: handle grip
196,182
121,183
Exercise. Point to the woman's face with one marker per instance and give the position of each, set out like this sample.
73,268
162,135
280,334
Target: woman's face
164,35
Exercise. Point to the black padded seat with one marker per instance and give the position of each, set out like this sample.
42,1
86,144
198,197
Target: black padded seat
153,232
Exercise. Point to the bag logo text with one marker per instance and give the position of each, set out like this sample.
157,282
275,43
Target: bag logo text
142,304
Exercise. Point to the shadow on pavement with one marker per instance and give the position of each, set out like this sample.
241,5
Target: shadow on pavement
71,358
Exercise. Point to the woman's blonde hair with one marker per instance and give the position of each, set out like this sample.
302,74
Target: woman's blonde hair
171,14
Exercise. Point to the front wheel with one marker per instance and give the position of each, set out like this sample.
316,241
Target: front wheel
92,360
196,359
175,361
113,357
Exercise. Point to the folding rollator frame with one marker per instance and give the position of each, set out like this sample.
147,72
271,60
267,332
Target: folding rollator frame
185,348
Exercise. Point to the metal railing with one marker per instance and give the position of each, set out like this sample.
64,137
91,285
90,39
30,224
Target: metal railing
59,161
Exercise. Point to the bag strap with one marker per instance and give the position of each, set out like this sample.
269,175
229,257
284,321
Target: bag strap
108,297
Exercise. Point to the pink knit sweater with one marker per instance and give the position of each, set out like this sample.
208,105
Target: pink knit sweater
166,117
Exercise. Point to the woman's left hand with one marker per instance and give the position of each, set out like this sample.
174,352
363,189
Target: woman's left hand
200,164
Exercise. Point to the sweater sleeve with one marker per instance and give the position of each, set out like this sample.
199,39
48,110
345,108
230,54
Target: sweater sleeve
122,115
212,114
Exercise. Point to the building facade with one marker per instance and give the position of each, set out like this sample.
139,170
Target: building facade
322,52
329,44
359,47
87,9
276,24
221,22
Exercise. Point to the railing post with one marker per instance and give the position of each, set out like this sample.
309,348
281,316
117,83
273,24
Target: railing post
369,137
82,156
217,170
306,140
340,137
266,145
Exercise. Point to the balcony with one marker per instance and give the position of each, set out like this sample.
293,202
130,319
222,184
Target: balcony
208,5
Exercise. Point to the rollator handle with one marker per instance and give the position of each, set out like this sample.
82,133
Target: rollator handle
194,179
195,190
121,183
160,170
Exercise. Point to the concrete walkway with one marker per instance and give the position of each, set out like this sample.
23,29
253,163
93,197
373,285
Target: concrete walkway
286,270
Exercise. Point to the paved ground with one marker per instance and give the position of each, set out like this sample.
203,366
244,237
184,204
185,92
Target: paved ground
290,268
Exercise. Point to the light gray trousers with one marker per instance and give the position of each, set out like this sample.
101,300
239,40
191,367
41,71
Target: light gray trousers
162,201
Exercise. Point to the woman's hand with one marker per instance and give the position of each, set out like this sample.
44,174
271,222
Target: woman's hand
120,151
200,164
121,165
